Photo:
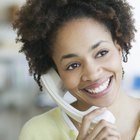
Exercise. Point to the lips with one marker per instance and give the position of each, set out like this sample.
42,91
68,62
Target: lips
97,90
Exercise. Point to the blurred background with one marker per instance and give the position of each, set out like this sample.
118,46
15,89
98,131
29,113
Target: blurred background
20,98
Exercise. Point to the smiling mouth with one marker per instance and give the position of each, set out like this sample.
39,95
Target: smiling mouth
101,88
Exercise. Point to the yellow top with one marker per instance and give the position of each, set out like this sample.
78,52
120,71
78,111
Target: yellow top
48,126
52,125
137,137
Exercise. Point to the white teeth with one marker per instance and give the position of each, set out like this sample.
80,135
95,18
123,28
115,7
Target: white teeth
99,89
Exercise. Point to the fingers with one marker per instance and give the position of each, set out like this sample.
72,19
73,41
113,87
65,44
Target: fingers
103,127
101,130
104,130
86,122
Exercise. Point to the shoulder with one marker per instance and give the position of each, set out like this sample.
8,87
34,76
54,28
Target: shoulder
135,107
46,117
39,125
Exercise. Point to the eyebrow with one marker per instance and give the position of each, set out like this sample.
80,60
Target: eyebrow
96,45
75,55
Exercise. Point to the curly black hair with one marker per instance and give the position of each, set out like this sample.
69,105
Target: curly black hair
39,20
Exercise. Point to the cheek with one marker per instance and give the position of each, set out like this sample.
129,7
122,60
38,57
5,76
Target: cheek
115,64
71,81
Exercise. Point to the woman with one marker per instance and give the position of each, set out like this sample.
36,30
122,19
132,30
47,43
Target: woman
85,41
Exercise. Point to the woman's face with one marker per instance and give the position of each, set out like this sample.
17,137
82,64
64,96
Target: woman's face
89,62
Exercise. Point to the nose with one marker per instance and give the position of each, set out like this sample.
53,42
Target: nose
91,71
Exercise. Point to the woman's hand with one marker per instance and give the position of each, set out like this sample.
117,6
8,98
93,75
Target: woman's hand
103,130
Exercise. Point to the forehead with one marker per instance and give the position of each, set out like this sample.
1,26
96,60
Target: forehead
80,32
82,25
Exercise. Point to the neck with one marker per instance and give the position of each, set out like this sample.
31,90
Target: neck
120,102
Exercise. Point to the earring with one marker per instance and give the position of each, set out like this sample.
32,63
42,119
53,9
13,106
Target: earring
124,55
123,72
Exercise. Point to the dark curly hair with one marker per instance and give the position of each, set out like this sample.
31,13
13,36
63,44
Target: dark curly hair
39,20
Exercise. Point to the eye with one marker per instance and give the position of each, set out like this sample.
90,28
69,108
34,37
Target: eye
102,53
73,66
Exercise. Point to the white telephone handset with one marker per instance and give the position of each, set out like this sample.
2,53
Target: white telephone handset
53,84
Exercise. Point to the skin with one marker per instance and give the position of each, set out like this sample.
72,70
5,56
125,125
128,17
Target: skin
86,57
74,45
